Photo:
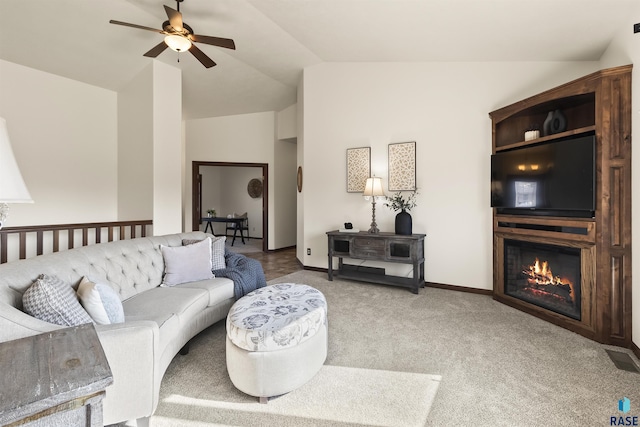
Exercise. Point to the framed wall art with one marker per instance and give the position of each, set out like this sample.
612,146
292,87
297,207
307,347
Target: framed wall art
358,168
402,166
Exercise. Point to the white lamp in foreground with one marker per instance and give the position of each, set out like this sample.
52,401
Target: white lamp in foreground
12,187
373,188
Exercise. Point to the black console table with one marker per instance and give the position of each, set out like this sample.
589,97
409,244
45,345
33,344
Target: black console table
387,247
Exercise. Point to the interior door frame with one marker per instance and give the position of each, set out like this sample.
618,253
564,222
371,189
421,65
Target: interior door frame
196,208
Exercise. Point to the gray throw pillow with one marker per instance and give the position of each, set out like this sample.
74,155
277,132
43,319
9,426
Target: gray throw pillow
189,263
217,251
101,302
52,300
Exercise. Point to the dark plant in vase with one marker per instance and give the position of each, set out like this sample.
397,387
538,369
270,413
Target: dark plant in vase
400,204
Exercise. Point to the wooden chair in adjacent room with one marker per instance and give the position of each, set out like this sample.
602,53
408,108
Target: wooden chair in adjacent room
243,226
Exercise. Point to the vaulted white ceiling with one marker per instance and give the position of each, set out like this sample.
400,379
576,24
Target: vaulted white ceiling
276,39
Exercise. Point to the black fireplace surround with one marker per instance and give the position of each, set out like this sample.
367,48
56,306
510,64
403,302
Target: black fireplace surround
544,275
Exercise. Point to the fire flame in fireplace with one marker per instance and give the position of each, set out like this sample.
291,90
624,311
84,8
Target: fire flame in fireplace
540,277
541,274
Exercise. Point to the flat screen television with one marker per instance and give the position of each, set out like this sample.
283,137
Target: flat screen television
555,178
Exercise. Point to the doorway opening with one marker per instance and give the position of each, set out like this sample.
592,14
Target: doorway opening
197,191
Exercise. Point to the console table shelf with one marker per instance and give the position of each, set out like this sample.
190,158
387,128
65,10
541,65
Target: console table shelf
386,247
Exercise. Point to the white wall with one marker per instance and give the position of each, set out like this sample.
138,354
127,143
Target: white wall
150,150
444,108
287,123
167,149
246,138
64,136
285,189
212,189
135,148
624,50
236,199
300,234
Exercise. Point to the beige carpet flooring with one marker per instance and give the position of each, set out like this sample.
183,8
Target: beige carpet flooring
336,396
498,366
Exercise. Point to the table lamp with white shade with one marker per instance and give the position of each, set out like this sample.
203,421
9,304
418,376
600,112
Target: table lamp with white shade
12,187
373,188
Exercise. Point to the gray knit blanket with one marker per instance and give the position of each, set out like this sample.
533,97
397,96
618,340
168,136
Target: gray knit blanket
247,273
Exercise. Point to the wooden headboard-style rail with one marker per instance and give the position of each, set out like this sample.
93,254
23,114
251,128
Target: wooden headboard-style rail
28,241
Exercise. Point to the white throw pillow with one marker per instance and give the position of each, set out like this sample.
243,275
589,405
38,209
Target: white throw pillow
189,263
52,300
217,251
101,302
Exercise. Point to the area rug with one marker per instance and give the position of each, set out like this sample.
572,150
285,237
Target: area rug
250,245
197,392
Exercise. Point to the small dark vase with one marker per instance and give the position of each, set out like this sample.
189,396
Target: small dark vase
546,126
559,122
404,223
554,123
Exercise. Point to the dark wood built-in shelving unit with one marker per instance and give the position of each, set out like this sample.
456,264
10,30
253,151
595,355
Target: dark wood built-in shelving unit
598,103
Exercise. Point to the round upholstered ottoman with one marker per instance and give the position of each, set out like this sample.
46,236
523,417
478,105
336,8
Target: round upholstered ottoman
276,339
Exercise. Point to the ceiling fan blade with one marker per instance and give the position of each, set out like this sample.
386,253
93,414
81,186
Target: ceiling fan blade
141,27
156,50
215,41
200,55
175,18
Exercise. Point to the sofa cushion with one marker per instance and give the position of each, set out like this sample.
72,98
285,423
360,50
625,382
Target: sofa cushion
189,263
101,302
217,250
52,300
219,289
159,304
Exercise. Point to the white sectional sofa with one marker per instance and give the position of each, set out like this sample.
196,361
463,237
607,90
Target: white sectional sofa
159,320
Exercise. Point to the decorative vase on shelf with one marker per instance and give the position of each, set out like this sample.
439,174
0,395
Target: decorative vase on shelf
554,123
546,126
559,122
404,223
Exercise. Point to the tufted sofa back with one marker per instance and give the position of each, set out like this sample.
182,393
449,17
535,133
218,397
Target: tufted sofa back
129,266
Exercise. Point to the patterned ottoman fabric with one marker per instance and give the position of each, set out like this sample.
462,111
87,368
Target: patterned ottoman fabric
276,317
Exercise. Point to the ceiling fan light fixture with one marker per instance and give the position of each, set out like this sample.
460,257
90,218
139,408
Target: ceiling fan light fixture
177,42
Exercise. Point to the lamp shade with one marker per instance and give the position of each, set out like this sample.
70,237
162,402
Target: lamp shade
12,187
177,43
373,187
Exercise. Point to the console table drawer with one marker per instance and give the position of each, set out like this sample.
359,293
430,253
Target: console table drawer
365,243
368,248
368,253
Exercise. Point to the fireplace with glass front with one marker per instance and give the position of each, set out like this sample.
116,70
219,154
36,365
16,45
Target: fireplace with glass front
547,267
547,276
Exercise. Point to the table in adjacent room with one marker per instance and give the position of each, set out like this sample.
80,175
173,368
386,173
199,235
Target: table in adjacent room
237,221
